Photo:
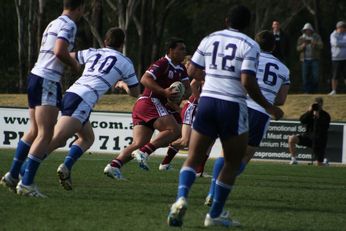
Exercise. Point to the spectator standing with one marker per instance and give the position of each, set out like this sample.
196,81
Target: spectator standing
309,46
338,50
282,46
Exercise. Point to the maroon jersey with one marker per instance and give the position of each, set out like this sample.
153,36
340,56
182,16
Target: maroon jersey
165,73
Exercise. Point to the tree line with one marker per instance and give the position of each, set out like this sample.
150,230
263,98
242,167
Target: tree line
148,23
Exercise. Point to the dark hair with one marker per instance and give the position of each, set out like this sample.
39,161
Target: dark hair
319,100
266,40
73,4
239,17
172,43
114,37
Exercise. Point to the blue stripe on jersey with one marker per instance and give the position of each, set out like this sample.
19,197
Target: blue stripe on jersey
198,66
224,76
91,88
118,70
225,94
249,72
52,33
101,78
239,59
250,58
268,90
233,36
47,52
200,52
129,76
67,30
63,38
62,19
282,77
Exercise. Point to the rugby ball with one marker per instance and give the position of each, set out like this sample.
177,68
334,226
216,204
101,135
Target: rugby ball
178,87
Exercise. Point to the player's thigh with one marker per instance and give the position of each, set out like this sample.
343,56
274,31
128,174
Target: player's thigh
167,122
66,127
46,117
186,132
293,139
198,148
31,134
86,133
141,135
234,147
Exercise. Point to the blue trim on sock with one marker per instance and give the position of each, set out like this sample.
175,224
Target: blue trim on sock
218,165
186,178
19,158
33,163
222,191
241,168
73,155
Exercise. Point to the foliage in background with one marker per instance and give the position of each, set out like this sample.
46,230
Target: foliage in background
149,23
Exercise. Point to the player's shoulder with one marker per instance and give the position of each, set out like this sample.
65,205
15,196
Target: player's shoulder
161,62
63,19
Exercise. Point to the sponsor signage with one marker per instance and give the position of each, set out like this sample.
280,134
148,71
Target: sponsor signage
113,132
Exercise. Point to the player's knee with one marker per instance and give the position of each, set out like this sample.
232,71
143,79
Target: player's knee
292,139
184,142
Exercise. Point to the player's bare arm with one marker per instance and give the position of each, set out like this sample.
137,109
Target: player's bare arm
251,85
195,72
188,91
148,82
281,96
62,53
131,91
195,88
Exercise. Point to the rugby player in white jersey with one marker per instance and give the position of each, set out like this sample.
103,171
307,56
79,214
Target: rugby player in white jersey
230,60
103,68
44,96
273,79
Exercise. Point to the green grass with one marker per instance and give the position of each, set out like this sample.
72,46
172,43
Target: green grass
268,197
294,107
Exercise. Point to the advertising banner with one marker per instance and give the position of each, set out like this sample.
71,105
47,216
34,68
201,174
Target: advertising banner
113,132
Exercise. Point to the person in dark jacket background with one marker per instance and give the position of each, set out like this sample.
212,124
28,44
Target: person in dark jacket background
316,121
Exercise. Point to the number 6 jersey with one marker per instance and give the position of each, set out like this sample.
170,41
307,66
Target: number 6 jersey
225,55
271,75
103,68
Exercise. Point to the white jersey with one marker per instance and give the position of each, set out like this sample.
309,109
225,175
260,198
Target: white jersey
271,75
48,66
103,68
225,55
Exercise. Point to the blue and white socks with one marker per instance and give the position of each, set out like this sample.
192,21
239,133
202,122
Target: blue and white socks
222,191
72,156
33,163
218,164
186,178
19,158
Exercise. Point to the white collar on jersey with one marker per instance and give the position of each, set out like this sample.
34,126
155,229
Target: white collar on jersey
231,29
170,61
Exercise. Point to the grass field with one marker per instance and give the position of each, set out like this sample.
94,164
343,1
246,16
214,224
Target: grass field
268,197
